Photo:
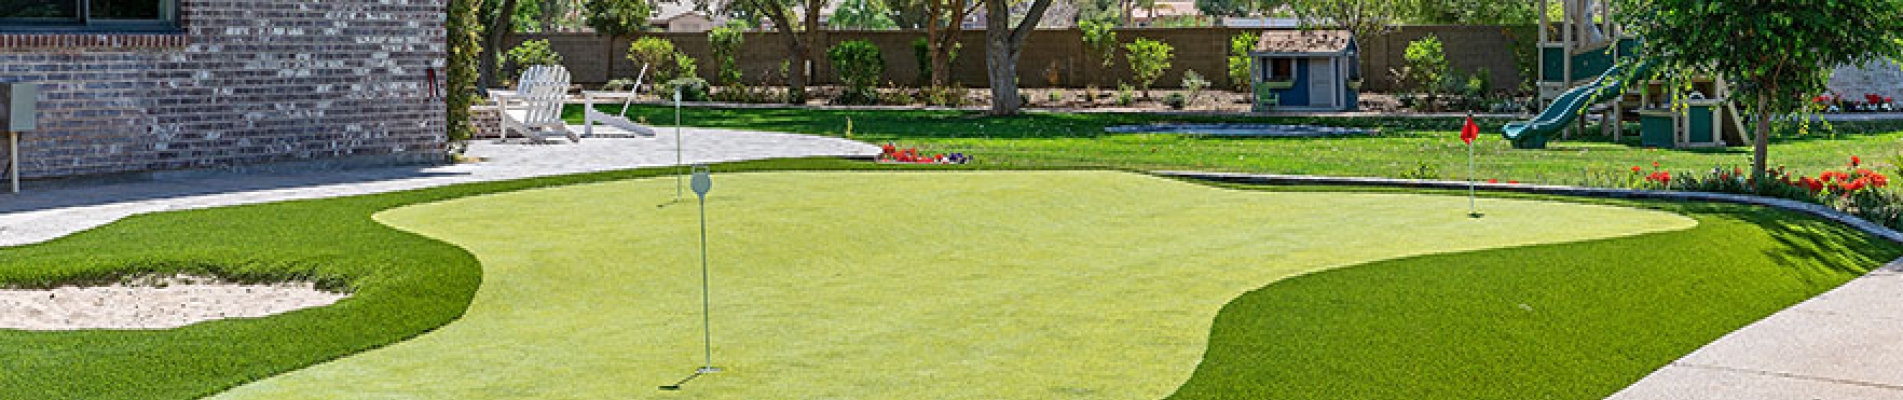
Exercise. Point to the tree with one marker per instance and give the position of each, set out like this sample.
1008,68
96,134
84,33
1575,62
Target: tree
465,44
798,47
617,18
499,31
1224,8
862,14
1148,59
1471,12
1239,63
1365,18
1003,45
1100,40
1426,67
1779,51
725,42
945,19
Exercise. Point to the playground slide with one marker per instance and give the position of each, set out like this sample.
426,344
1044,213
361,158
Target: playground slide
1567,107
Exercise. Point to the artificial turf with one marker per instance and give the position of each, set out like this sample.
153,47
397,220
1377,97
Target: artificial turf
1010,285
1741,262
1404,147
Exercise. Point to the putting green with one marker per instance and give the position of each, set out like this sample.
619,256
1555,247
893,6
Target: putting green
1020,285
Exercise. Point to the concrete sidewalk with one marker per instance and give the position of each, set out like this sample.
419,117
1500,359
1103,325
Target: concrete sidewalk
44,213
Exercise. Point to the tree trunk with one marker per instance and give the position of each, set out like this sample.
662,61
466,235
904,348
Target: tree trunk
499,32
1003,45
813,41
1762,144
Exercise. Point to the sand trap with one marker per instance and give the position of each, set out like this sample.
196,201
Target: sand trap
153,303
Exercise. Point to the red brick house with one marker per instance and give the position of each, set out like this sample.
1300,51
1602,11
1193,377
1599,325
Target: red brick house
134,86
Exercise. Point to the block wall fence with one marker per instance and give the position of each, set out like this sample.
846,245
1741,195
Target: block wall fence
595,59
244,82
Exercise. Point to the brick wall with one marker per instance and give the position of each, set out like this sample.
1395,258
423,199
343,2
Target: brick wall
1205,50
246,82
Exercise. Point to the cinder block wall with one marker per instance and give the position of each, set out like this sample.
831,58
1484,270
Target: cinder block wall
1205,50
246,82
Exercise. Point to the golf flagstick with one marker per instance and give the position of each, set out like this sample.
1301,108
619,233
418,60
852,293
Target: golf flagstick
703,182
1468,133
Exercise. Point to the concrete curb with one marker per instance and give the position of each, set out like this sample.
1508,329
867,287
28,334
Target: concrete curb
1816,210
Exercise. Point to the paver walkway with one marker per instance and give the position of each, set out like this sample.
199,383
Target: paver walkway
38,215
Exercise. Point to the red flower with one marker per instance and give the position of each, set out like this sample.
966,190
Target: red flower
1635,169
1854,161
1512,182
1493,181
1655,164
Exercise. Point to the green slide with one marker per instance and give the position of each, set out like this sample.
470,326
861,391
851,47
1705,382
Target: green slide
1533,134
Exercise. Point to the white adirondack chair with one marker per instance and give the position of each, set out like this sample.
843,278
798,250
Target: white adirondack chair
591,116
535,108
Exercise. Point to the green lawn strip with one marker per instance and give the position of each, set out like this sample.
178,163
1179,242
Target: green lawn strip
1029,285
1042,139
1562,321
403,285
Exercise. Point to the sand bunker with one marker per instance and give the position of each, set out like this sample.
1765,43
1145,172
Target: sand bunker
153,303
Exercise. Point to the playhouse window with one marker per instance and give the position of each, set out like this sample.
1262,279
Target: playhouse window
1278,69
89,15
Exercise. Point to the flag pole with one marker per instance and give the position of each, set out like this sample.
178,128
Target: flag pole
1470,133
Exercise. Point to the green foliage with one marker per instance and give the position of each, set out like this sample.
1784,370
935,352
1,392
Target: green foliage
1195,83
1126,94
534,52
692,88
1777,53
922,50
461,74
1148,60
1471,12
725,42
1239,63
1097,11
1175,101
618,17
1224,8
1426,66
862,14
945,96
1100,39
664,63
859,64
1366,18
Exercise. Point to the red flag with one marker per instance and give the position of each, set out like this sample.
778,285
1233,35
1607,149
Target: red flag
1470,132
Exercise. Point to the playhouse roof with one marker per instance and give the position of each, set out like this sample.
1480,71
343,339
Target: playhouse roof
1304,42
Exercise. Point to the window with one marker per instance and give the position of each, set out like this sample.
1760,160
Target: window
1279,70
89,15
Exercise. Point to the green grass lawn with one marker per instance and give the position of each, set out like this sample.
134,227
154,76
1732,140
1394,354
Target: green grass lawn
1603,312
1061,139
1019,285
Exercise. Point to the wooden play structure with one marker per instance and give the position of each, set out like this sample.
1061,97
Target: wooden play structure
1587,66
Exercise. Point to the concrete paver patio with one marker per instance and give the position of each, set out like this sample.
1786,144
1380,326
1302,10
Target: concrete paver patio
41,214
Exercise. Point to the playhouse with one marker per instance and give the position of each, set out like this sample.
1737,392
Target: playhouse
1588,66
1305,70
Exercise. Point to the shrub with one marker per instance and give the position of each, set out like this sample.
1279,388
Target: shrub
1195,83
533,52
1239,63
1426,66
664,63
1148,59
859,64
1056,96
459,82
725,42
1125,94
692,89
1175,101
944,96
